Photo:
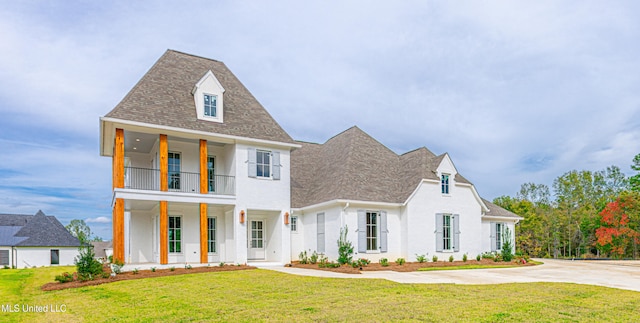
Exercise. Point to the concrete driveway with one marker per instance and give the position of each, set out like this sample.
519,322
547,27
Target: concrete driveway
616,274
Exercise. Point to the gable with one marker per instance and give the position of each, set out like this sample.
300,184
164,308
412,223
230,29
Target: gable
164,97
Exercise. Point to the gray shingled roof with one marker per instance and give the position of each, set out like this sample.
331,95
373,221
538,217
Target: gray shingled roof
163,97
37,230
352,165
99,248
495,210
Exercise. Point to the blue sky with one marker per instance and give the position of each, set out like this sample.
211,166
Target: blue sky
514,91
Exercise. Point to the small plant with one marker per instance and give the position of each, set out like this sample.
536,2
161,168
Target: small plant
497,258
64,278
345,247
221,264
303,257
135,271
110,258
451,258
153,269
188,267
421,258
5,267
172,268
329,265
355,264
116,269
323,259
488,255
237,265
507,246
478,257
400,261
105,275
434,258
314,258
384,262
464,257
363,262
86,264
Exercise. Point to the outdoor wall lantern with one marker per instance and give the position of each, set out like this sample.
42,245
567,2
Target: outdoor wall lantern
286,217
241,216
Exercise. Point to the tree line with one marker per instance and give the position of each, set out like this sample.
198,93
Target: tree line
589,214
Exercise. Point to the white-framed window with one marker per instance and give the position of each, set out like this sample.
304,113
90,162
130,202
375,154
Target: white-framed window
499,232
174,170
447,230
294,224
263,163
211,234
55,256
372,231
257,239
210,105
444,183
175,234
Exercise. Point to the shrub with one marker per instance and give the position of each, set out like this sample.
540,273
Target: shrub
314,258
105,275
329,265
451,258
135,271
478,257
421,258
221,264
507,246
187,267
488,255
464,257
5,267
172,268
323,259
303,257
434,258
110,258
87,266
497,258
400,261
363,262
355,264
345,248
64,278
384,262
153,269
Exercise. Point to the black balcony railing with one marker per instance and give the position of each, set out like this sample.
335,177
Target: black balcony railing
149,179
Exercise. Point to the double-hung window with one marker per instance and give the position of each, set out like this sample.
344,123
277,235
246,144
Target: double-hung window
263,163
372,231
446,232
211,234
175,234
210,105
444,183
499,231
174,170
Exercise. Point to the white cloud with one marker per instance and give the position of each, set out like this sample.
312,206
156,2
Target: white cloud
100,219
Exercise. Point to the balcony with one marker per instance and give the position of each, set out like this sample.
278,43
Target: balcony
149,179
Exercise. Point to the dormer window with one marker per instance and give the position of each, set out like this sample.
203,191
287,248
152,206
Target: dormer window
210,105
444,183
208,95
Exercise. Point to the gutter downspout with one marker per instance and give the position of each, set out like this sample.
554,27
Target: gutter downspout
342,214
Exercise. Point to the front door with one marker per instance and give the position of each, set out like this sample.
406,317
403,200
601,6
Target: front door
256,240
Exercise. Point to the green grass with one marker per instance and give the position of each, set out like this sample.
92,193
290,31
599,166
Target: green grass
262,295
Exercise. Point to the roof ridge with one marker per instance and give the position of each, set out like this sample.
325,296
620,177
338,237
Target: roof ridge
192,55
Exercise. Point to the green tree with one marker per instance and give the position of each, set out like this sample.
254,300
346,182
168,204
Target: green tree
80,230
634,181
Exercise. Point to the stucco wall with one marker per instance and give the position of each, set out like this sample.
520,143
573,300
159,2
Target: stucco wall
41,256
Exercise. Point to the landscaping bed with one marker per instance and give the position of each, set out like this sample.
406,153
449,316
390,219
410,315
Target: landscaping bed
141,274
412,266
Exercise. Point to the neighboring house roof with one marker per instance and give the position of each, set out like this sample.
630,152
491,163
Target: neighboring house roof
164,97
39,230
495,210
99,248
354,166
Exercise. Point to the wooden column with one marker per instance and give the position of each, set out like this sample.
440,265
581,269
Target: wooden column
204,169
164,212
204,189
118,208
164,233
164,163
204,238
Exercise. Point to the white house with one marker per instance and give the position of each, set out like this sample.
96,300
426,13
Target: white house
203,174
35,241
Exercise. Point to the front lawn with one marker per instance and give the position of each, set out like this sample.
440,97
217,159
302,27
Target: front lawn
262,295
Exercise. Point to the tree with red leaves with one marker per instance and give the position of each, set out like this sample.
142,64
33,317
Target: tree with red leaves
619,233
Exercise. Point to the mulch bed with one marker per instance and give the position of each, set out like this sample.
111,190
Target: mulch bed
409,266
142,274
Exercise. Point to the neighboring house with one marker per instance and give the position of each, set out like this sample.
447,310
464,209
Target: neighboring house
102,250
35,240
202,173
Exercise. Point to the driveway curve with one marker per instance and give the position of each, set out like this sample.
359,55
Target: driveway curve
616,274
